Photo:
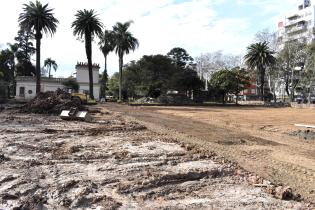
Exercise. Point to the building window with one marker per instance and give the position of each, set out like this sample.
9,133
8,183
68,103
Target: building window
245,91
30,92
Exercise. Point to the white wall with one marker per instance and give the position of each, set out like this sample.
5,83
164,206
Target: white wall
83,74
96,90
29,87
51,86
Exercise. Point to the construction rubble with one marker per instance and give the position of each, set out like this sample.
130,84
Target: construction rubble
51,103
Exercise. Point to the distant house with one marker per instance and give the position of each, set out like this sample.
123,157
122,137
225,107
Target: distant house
252,92
26,85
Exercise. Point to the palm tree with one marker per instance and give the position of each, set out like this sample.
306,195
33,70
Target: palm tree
124,42
48,63
107,44
87,25
37,17
259,57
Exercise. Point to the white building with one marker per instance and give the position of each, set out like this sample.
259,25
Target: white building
298,25
26,85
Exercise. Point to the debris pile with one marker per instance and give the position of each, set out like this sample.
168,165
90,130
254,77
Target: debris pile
51,103
304,134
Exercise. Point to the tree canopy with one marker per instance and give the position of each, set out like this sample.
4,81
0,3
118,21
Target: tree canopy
180,57
230,82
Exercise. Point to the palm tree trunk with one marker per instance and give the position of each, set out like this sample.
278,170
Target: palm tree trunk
120,76
88,49
49,72
262,84
38,37
105,73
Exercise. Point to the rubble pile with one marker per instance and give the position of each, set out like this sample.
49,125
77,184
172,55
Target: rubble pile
304,134
51,103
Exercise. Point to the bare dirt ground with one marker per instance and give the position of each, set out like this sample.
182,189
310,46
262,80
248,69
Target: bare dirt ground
115,163
262,140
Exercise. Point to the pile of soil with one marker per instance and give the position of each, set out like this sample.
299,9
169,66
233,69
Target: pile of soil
174,99
51,103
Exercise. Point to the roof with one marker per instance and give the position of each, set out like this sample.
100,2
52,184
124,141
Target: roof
44,79
85,64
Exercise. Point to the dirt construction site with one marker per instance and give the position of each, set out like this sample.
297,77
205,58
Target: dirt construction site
159,158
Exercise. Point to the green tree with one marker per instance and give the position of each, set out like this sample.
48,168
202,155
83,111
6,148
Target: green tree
107,45
113,85
7,65
39,18
71,84
187,81
25,68
229,82
258,58
50,63
149,75
23,40
87,25
25,45
124,43
180,57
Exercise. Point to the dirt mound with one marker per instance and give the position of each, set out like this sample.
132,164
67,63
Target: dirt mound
174,99
51,103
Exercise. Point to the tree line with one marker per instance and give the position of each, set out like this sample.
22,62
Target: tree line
153,75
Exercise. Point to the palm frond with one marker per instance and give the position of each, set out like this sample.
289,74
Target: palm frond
38,17
86,22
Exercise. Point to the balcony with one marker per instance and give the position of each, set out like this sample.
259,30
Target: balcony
292,22
295,29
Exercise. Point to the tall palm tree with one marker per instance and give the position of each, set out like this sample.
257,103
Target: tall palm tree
124,42
37,17
107,45
50,63
258,58
87,25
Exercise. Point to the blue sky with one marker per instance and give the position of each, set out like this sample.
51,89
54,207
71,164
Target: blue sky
199,26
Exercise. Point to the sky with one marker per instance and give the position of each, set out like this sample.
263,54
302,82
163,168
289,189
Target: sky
199,26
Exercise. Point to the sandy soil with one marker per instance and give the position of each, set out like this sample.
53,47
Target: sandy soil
262,140
115,163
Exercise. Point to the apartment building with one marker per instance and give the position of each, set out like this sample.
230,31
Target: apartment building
298,25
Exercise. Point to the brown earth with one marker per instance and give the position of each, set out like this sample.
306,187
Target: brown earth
262,140
117,163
